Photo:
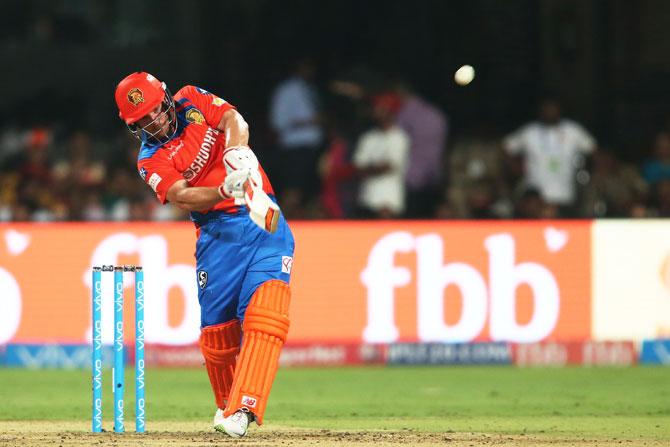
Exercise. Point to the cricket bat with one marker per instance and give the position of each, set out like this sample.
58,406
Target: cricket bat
262,210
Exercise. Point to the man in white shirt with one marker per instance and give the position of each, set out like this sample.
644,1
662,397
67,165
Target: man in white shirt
382,156
553,149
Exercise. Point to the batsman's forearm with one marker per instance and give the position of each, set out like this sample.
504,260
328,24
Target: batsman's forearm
197,198
236,128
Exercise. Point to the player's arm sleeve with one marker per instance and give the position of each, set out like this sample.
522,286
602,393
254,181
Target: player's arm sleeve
515,142
159,175
211,106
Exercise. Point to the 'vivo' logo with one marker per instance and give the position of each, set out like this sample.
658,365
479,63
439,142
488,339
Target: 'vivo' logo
119,416
139,336
119,297
139,380
140,413
97,335
118,342
97,379
139,299
97,415
98,297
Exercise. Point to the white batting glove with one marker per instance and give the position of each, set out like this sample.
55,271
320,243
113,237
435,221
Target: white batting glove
239,157
233,185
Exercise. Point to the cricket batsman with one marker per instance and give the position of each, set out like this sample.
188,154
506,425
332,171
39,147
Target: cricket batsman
195,154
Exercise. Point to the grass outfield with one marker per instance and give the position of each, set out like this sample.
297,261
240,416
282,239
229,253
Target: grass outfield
347,406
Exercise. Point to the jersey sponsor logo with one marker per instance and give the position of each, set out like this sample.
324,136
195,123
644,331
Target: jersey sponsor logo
218,101
174,149
135,96
200,161
194,116
154,180
143,174
202,90
286,264
202,279
249,401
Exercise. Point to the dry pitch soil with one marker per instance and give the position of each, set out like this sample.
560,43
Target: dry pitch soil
55,434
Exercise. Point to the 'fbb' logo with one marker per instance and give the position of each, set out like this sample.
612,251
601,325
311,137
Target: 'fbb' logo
487,302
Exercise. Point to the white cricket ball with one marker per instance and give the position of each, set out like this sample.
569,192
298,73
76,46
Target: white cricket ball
464,75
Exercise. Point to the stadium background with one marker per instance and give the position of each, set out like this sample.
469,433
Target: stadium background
443,288
606,59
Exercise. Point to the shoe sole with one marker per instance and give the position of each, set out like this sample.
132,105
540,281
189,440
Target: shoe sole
221,429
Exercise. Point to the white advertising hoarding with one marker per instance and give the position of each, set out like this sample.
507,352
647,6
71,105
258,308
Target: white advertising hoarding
631,279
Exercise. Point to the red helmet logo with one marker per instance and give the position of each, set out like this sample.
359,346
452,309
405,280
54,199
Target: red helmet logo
135,96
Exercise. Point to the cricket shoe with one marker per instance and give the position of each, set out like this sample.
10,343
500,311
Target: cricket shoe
234,425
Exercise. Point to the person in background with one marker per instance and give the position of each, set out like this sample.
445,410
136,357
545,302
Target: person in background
294,116
658,167
476,165
659,201
531,205
337,172
614,187
382,157
36,185
78,168
551,151
427,128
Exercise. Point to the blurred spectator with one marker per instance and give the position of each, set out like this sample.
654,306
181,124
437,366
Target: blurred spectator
426,126
443,211
119,194
294,116
658,167
11,147
35,186
381,156
640,210
613,189
92,209
167,212
336,171
35,164
138,210
531,205
660,199
9,200
553,150
476,163
78,169
126,151
480,199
